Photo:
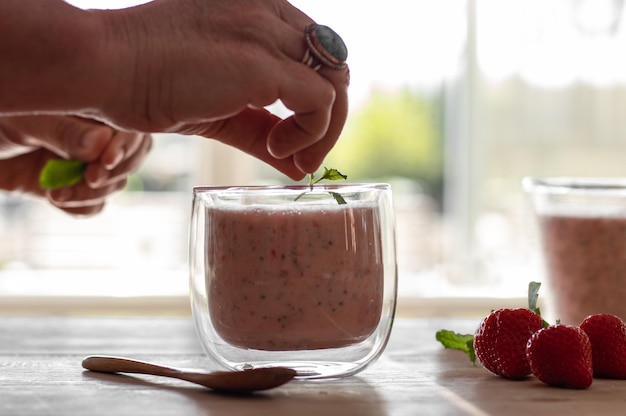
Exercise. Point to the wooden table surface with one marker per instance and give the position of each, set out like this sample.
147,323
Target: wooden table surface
41,374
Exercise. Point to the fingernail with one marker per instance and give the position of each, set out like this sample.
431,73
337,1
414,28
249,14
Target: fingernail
62,194
96,175
116,161
89,139
101,175
304,162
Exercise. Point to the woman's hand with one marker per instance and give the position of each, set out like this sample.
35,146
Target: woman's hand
205,67
209,67
28,142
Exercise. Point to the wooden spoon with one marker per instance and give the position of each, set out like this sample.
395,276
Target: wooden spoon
244,381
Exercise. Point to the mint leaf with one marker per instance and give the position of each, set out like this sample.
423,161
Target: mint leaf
456,341
59,173
331,175
338,198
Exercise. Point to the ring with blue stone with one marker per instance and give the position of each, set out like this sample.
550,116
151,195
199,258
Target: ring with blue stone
325,47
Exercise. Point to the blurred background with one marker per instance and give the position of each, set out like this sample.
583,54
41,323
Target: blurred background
453,103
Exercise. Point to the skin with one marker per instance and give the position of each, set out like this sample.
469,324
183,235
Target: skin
201,67
27,142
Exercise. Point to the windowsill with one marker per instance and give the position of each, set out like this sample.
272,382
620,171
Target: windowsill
94,306
94,292
159,293
51,305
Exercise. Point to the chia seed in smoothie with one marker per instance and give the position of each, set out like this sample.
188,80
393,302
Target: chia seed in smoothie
284,279
586,264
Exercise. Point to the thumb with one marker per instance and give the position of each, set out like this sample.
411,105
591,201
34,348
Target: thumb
66,136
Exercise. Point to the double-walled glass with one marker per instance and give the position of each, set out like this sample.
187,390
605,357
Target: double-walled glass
582,229
294,276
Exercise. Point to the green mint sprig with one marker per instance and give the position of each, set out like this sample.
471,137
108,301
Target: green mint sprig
59,173
456,341
331,175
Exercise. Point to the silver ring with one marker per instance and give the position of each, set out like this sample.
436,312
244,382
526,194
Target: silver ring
324,47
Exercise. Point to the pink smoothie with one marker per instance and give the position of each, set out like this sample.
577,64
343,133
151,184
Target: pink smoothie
586,262
280,279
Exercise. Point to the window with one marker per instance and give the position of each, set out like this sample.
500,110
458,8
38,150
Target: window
452,102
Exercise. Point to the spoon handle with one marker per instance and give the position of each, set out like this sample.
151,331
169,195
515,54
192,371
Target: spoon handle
108,364
245,381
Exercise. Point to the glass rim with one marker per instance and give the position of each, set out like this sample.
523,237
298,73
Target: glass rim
563,184
352,186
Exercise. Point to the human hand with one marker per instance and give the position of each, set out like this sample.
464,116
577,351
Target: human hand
210,68
28,142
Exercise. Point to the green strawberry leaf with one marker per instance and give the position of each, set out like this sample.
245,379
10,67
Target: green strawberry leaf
533,296
59,173
456,341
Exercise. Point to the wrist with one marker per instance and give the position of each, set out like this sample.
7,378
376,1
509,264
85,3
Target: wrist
52,61
129,52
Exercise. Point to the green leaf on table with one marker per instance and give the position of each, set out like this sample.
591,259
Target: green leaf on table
456,341
59,173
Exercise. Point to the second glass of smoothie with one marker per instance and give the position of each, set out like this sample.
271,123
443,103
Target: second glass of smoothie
582,230
294,276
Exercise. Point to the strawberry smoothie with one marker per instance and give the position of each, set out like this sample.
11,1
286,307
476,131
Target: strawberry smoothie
282,279
586,264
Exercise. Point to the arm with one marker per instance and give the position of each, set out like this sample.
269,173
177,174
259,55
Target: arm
49,57
193,67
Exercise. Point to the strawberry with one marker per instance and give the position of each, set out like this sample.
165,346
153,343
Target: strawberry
560,355
500,341
607,334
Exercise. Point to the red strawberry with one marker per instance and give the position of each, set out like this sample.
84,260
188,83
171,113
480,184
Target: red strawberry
560,355
607,334
500,341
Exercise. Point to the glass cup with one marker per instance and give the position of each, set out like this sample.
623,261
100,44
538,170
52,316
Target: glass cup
582,230
293,276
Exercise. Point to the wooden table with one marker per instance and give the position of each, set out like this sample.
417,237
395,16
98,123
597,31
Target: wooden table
40,374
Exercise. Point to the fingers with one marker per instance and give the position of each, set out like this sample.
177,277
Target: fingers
110,156
307,125
21,173
303,140
318,100
67,137
310,158
104,177
298,144
122,146
82,198
302,90
84,211
248,131
121,157
313,130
